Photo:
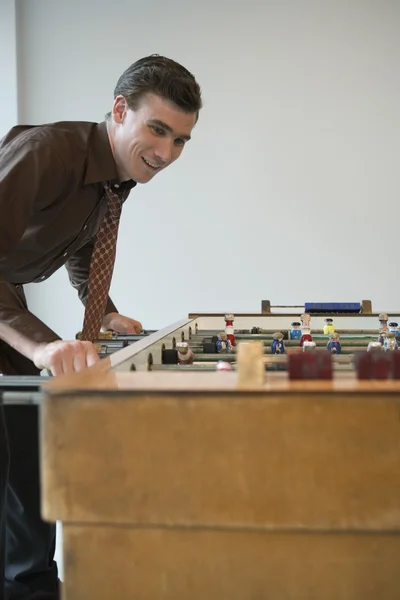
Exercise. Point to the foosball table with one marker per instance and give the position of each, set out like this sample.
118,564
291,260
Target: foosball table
183,466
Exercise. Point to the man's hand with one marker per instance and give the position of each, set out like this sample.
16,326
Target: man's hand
65,357
121,324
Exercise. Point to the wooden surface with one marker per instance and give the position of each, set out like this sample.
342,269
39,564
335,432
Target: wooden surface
269,461
177,564
101,378
183,486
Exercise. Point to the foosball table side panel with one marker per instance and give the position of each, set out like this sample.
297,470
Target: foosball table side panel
139,356
104,561
236,496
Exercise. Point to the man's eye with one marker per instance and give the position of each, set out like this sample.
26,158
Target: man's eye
158,130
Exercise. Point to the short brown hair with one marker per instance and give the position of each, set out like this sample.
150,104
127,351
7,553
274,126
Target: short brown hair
162,76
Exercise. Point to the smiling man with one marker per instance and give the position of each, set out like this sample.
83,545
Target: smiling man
149,137
62,187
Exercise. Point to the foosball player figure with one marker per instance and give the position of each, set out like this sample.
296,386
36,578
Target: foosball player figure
185,354
295,332
382,336
334,345
383,319
390,344
305,320
328,327
223,343
277,346
305,335
374,347
309,346
229,328
394,328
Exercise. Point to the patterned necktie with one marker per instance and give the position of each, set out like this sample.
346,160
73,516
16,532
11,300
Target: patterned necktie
102,265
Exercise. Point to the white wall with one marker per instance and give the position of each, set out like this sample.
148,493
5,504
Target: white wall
289,189
8,67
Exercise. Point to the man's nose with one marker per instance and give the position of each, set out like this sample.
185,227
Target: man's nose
164,150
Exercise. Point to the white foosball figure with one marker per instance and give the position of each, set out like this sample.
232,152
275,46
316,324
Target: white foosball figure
185,354
374,347
382,336
309,346
383,319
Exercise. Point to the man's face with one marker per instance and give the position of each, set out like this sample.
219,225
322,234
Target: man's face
146,140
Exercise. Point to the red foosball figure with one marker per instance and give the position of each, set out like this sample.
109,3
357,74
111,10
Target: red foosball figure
306,335
230,333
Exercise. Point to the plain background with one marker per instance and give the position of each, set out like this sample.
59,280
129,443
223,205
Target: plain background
289,189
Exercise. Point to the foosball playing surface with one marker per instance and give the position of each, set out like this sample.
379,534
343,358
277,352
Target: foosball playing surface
304,345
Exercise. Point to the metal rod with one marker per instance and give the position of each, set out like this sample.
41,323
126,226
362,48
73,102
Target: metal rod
22,382
19,397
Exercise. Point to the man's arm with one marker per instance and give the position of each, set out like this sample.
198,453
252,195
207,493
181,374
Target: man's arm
31,177
58,357
26,183
78,267
19,327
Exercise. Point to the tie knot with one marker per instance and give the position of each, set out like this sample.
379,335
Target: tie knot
114,201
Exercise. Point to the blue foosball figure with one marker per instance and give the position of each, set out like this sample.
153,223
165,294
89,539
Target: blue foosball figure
334,346
390,343
223,344
295,332
277,346
394,328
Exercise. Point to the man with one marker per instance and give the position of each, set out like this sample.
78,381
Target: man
62,186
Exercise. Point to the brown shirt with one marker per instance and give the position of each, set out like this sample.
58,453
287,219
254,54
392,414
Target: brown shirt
51,206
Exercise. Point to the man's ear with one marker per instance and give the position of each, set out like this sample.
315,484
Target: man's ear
119,109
